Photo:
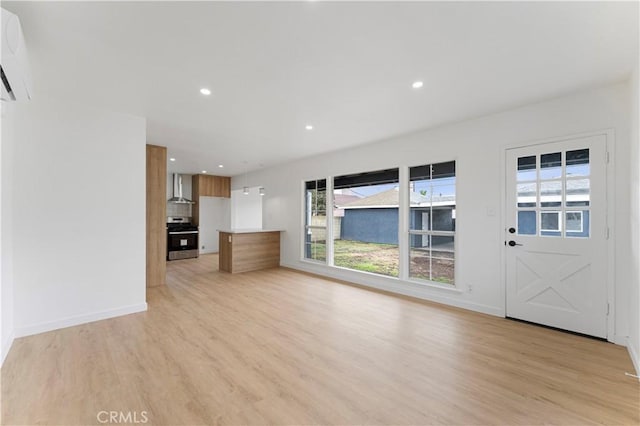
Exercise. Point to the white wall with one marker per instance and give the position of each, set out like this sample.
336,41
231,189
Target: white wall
634,299
215,213
78,215
6,231
478,146
246,210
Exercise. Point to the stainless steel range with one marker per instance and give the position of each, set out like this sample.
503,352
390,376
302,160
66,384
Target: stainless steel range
182,238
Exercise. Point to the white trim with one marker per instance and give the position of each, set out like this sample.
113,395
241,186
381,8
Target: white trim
618,340
302,241
78,319
6,347
404,198
395,206
635,356
372,206
433,293
502,230
329,237
610,199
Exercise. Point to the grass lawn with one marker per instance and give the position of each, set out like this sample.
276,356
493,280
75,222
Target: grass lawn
384,259
368,257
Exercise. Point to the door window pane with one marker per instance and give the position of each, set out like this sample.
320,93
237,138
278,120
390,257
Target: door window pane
527,222
527,168
574,222
551,193
578,163
577,224
550,223
551,166
578,192
527,194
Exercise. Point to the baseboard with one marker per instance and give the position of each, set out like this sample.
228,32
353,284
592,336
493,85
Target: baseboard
79,319
208,251
433,294
6,347
619,340
634,354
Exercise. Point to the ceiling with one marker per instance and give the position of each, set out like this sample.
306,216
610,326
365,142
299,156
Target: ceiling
344,67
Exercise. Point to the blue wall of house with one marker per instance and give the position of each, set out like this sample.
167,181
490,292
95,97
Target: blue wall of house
371,225
381,225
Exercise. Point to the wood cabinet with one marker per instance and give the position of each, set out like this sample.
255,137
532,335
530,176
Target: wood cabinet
156,215
211,186
244,251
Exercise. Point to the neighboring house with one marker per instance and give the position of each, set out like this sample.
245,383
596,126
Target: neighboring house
340,200
374,219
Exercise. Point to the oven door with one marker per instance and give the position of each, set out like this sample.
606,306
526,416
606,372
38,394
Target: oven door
182,240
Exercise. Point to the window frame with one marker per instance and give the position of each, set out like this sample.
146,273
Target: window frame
432,233
404,239
307,228
381,176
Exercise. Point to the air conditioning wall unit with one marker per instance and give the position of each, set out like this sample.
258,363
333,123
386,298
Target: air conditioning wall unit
14,67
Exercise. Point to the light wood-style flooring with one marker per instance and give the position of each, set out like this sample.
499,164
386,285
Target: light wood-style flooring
281,347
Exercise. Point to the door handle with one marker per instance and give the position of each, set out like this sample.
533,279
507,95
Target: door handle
513,243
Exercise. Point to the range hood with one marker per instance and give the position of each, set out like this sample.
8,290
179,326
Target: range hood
177,191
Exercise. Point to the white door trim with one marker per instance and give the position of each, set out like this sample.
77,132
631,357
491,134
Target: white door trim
610,219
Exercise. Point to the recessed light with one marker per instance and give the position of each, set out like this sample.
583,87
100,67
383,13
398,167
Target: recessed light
205,91
220,165
172,159
308,127
204,171
417,84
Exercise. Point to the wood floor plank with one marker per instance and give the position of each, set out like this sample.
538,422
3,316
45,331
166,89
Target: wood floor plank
282,347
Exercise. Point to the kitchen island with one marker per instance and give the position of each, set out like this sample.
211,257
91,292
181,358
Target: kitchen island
243,250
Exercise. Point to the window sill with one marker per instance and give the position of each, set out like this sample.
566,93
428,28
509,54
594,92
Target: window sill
423,284
435,284
313,262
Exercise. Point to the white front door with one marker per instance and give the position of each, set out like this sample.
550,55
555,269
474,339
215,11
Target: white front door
556,248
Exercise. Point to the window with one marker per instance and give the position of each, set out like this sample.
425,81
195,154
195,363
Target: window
365,225
553,194
432,222
365,213
315,224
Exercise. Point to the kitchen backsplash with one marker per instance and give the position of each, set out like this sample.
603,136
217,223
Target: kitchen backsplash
174,209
